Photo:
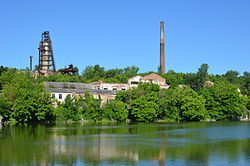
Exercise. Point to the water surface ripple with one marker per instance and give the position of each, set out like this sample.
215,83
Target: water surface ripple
181,144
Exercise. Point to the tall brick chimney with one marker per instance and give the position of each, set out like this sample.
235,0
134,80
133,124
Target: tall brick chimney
162,51
31,63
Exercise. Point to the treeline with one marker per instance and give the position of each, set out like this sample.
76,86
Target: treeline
24,99
95,73
148,103
194,80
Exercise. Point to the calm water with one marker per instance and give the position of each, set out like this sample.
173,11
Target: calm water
216,143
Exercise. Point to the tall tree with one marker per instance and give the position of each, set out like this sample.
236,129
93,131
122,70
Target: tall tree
131,70
223,101
245,84
196,81
93,72
116,110
181,104
232,76
142,102
174,79
27,99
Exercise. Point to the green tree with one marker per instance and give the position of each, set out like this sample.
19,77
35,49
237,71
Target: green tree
143,110
131,70
174,79
91,108
26,98
69,110
6,76
93,72
232,76
245,84
142,102
196,81
181,104
3,69
4,108
223,101
112,73
77,71
116,110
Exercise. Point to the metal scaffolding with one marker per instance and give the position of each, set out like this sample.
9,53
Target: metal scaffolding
46,57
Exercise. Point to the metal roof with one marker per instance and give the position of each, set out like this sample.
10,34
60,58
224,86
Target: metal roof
81,91
68,85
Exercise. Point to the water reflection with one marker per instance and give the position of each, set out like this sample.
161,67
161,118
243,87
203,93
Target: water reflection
126,144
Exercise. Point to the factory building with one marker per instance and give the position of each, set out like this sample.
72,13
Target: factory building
99,89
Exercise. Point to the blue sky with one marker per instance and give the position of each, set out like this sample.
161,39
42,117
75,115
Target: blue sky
121,33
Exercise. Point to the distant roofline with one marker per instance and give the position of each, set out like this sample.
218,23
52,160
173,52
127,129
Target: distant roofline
135,76
144,78
80,91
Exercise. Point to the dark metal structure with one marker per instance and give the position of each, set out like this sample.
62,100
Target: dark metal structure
70,70
46,57
162,50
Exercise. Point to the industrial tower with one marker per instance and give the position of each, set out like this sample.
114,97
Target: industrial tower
162,51
46,57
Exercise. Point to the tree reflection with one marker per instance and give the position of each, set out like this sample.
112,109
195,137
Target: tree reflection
127,144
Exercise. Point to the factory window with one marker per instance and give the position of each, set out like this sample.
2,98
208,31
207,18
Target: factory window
134,82
60,96
53,96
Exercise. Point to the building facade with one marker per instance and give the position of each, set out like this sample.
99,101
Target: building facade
99,89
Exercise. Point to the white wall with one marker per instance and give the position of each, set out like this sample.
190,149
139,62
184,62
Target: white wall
64,95
134,79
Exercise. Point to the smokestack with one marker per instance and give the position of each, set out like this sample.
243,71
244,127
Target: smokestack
31,63
162,52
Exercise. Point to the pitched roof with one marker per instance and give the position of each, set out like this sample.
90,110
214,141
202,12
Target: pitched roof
153,76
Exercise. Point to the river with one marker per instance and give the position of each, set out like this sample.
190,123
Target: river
179,144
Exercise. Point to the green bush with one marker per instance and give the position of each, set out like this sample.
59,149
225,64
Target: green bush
116,110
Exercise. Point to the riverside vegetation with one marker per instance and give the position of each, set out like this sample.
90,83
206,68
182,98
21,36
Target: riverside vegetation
23,98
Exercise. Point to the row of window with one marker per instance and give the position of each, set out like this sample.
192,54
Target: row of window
59,96
114,88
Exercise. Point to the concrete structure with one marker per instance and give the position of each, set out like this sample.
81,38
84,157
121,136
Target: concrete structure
60,90
162,49
68,85
99,89
109,86
134,81
61,94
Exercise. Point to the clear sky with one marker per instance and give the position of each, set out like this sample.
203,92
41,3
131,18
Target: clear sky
121,33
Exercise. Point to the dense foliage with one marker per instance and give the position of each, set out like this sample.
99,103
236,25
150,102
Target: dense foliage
182,104
95,73
23,98
223,101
